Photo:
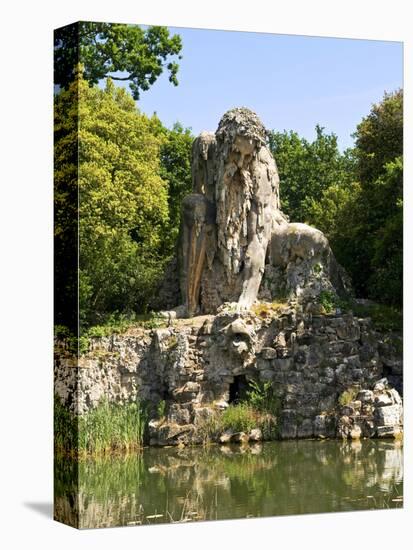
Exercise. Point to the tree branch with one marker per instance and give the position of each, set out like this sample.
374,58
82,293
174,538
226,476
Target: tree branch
119,77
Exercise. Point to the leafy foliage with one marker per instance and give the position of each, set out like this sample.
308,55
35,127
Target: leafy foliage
364,218
132,175
328,300
379,138
176,171
122,52
385,317
123,201
307,169
261,397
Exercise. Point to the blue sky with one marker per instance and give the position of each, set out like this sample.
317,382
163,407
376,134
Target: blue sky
292,82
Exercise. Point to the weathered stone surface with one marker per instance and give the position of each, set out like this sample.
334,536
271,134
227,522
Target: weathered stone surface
240,437
381,385
366,396
288,424
344,427
324,426
305,429
224,234
395,396
179,414
389,415
255,435
197,382
235,243
355,432
389,431
269,353
383,399
226,437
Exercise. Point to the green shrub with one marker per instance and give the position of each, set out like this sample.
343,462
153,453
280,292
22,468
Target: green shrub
348,396
61,332
261,397
114,324
385,318
328,300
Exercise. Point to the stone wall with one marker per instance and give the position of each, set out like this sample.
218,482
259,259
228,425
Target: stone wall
327,371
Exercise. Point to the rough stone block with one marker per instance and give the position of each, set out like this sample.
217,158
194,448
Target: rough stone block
383,400
365,396
255,434
355,432
305,429
389,431
269,353
390,415
288,427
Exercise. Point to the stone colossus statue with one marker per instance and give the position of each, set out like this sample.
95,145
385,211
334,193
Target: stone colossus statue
233,232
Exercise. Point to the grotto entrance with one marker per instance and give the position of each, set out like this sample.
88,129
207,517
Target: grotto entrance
238,389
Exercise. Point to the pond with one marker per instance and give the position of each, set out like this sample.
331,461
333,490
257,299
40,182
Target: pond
163,485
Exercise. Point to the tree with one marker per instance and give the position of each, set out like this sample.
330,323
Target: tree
379,167
121,52
386,279
176,171
123,201
363,219
379,138
307,169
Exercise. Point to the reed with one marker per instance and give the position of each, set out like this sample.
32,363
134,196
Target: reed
108,428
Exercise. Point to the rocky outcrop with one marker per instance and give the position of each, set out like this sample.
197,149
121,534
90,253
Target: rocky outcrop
377,412
326,371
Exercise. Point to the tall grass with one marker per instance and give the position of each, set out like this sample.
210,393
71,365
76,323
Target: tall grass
105,429
259,409
239,418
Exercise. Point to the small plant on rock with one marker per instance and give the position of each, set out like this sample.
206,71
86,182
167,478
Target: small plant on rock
347,396
328,300
261,397
161,409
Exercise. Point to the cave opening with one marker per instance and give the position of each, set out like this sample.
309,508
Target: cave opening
238,389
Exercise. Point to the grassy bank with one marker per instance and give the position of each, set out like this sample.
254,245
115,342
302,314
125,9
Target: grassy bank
113,428
238,418
259,408
108,428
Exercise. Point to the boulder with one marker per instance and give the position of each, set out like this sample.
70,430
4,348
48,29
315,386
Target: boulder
389,431
269,353
240,437
226,437
365,396
383,400
255,434
344,427
355,432
381,385
390,415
